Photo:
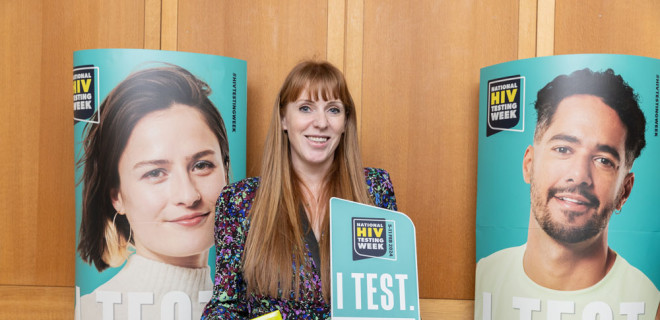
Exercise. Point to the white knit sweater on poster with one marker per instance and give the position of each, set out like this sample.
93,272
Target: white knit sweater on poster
146,289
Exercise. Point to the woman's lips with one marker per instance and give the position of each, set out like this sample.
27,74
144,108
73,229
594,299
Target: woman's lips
191,219
318,139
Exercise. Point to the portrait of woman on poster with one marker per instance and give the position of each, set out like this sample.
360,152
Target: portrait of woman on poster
153,168
272,232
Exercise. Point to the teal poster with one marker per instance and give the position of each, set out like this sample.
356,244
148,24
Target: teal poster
567,219
157,135
373,261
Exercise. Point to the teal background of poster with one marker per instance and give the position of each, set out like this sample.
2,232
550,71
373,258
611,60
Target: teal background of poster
114,66
503,203
341,214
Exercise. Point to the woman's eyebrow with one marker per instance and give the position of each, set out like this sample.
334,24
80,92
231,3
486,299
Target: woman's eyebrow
162,162
158,162
202,154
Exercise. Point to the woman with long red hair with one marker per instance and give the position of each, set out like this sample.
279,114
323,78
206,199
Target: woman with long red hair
272,232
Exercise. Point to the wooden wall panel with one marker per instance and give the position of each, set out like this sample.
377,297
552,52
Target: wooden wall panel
272,36
545,26
30,302
168,24
353,54
152,24
20,76
527,21
336,32
420,101
79,24
602,26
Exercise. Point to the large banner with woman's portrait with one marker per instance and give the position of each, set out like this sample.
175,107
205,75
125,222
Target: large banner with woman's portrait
157,136
568,186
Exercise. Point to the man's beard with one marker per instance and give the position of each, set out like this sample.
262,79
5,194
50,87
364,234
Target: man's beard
569,234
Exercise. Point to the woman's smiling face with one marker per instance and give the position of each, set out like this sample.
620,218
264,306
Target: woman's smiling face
171,174
314,128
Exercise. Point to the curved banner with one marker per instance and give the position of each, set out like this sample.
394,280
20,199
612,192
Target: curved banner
157,136
373,263
567,218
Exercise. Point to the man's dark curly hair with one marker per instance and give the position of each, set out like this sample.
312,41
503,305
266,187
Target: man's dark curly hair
614,92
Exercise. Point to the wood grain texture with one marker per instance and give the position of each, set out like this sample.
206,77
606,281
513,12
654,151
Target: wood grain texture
602,26
152,18
20,78
36,302
545,28
336,33
26,302
169,25
527,29
420,114
272,36
354,53
97,24
446,309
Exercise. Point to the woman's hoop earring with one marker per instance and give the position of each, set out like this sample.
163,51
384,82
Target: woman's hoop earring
130,230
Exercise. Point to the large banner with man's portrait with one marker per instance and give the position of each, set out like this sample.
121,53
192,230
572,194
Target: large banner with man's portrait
157,136
568,186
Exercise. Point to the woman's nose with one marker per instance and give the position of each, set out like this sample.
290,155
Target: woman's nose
184,191
321,121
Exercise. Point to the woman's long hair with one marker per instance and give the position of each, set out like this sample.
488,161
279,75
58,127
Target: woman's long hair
274,247
104,235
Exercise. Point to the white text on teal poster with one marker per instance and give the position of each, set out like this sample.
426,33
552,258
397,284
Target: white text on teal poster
373,263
